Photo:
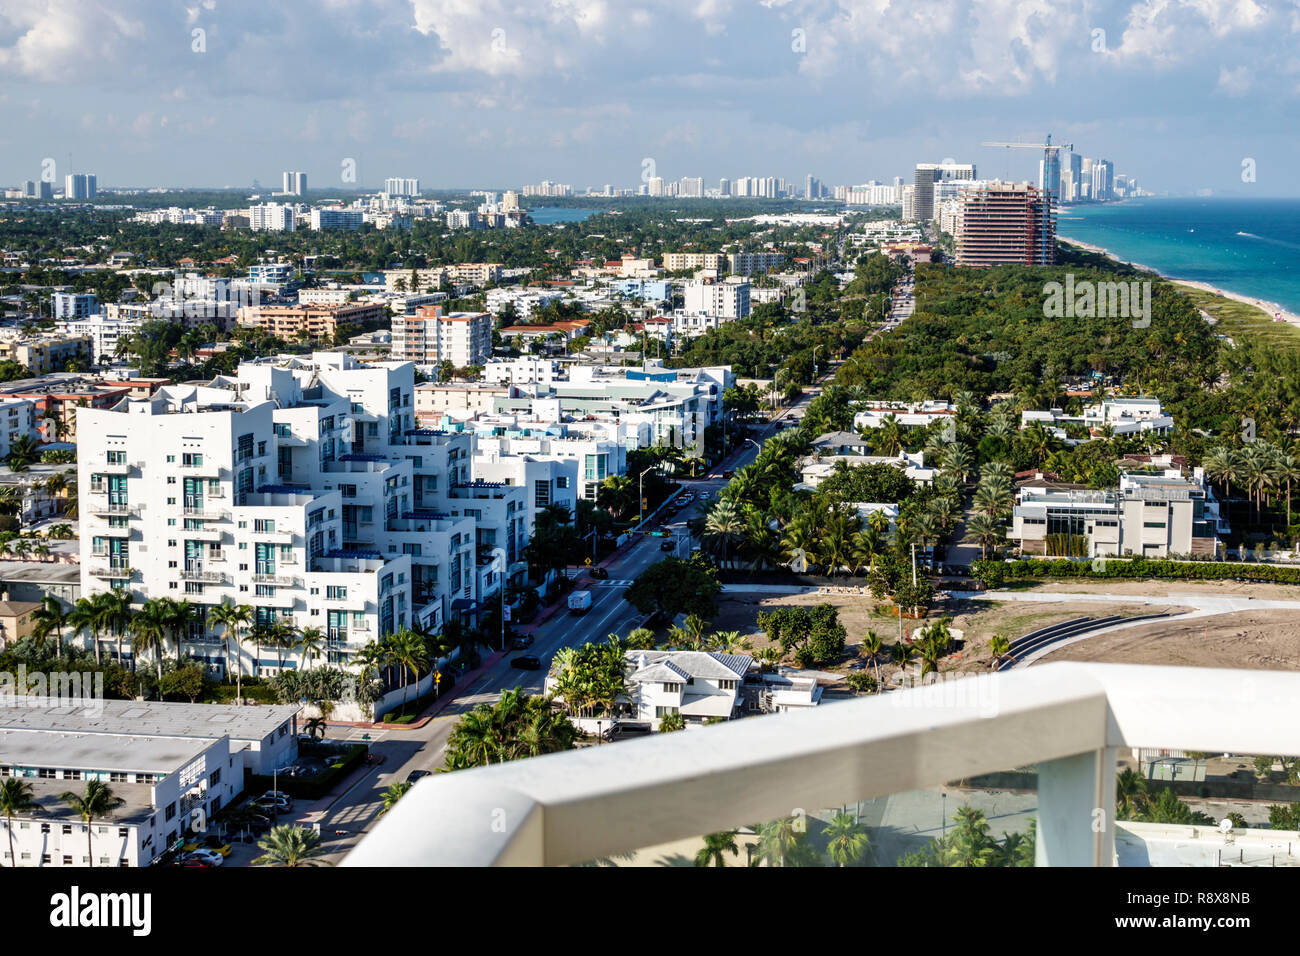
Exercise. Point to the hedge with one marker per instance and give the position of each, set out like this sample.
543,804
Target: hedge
1158,568
314,788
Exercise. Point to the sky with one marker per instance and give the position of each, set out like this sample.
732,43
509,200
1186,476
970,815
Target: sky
1183,95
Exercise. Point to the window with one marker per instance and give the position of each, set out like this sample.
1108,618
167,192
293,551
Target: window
336,593
562,481
123,831
266,590
214,778
67,829
117,457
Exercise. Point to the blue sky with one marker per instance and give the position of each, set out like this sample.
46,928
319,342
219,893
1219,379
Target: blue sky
465,93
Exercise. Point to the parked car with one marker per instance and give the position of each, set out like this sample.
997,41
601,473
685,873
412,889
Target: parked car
526,662
600,574
209,857
270,805
415,775
277,795
191,861
520,643
210,842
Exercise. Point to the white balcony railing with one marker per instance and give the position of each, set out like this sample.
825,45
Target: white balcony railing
1069,719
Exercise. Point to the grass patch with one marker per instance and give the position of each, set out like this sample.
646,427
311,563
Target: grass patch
1237,319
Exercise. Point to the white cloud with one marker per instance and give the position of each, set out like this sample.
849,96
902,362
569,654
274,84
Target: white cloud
1234,82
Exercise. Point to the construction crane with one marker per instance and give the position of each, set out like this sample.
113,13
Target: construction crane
1048,148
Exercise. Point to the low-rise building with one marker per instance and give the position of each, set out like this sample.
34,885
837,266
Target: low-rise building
291,322
1148,515
430,337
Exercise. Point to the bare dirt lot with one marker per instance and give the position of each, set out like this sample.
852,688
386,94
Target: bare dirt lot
977,620
1260,640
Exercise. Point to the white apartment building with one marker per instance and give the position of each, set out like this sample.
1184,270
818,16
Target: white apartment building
588,461
908,414
271,217
324,296
747,263
677,261
295,183
544,481
1123,416
73,305
399,186
526,370
17,418
434,400
300,486
430,337
525,301
103,332
332,218
728,299
175,764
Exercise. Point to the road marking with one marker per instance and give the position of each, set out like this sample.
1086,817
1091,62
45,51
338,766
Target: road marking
616,583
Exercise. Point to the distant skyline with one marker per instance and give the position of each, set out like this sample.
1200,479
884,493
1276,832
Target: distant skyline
495,94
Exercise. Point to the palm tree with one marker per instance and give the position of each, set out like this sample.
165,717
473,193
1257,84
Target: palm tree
1039,441
50,617
1221,465
311,643
1130,794
84,616
957,460
617,493
671,722
113,614
95,802
15,797
290,845
716,846
149,630
231,617
888,436
985,531
394,793
724,529
993,497
903,653
872,647
178,616
409,656
780,842
847,841
1000,649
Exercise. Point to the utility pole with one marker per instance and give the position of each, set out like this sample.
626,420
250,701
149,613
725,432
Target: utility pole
640,497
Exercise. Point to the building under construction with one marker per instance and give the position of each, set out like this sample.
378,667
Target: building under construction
1006,224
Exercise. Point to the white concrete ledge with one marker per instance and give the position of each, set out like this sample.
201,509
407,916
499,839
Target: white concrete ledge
598,801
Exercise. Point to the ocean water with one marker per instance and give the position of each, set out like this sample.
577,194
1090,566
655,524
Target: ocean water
1248,246
548,215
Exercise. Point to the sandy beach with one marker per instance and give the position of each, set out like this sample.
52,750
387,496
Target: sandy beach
1272,308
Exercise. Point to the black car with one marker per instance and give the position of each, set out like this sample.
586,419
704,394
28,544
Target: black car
415,775
526,662
728,474
520,643
668,545
600,574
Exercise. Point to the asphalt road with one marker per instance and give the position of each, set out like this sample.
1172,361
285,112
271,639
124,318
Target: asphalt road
422,749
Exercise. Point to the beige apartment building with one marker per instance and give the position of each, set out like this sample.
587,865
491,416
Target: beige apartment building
429,337
289,322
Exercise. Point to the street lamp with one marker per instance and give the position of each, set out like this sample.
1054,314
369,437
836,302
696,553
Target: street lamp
814,357
640,496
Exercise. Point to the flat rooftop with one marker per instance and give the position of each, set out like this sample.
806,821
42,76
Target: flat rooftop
120,752
137,809
150,718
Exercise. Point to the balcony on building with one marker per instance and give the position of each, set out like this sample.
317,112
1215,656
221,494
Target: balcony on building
341,561
359,464
1067,721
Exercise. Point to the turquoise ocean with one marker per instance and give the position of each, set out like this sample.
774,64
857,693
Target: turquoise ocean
1247,246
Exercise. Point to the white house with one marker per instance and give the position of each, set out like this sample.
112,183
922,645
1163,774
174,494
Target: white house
698,685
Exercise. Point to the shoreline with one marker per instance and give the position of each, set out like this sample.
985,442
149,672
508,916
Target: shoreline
1272,310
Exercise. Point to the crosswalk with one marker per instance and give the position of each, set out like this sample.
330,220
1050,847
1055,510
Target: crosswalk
616,583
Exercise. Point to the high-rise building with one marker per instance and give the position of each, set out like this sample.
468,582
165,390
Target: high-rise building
79,186
656,185
1102,184
927,174
1006,223
29,189
431,336
402,187
271,217
295,183
724,186
1049,173
691,187
333,218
